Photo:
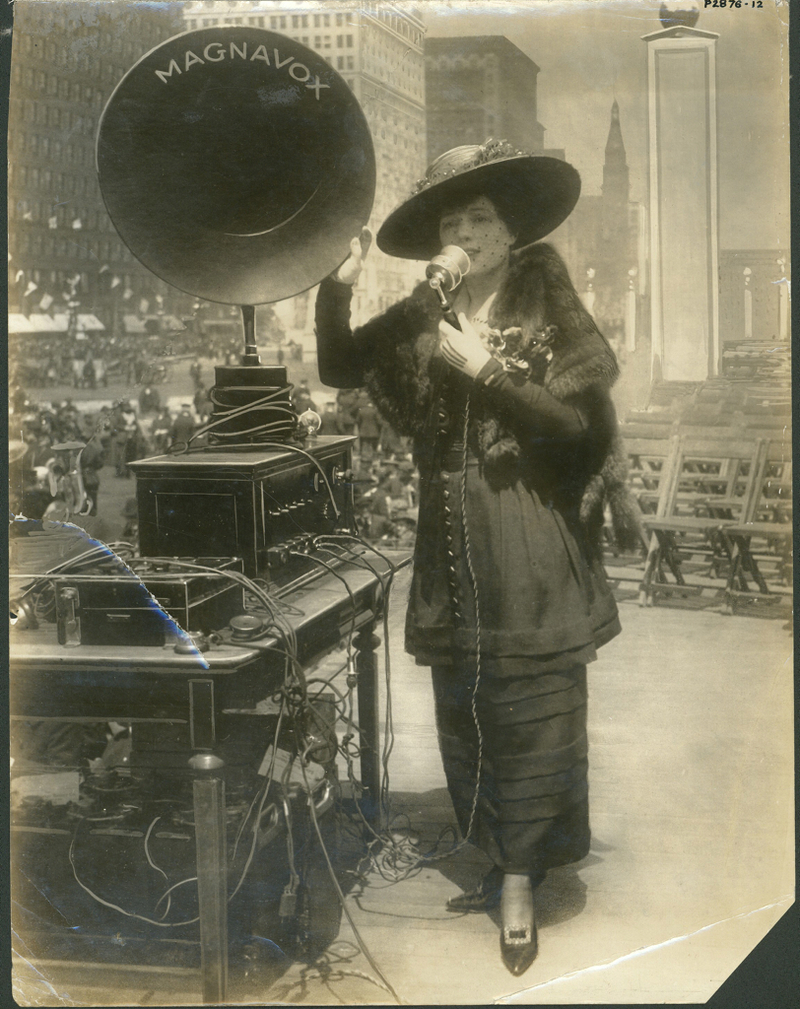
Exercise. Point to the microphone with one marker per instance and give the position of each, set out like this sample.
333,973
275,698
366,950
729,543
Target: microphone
445,272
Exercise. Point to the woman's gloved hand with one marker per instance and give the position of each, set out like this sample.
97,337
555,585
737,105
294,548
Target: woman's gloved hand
350,269
463,349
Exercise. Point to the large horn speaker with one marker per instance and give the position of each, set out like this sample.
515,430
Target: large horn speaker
236,164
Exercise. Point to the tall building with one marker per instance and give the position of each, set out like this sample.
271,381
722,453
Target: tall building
65,66
477,87
603,242
377,47
616,182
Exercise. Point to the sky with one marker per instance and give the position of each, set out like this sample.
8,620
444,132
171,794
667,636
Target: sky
590,52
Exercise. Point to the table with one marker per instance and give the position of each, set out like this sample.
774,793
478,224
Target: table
161,687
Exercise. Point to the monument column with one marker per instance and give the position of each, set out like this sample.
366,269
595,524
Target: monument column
683,216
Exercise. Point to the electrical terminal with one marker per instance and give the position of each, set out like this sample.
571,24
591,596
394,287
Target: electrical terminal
288,903
278,556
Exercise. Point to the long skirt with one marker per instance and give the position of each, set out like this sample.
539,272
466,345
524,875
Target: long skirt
533,804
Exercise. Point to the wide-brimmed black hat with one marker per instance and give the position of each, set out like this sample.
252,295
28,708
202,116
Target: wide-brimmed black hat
539,192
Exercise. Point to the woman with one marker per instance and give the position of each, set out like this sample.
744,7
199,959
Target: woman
513,431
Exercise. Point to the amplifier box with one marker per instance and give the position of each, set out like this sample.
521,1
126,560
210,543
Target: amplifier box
243,503
129,609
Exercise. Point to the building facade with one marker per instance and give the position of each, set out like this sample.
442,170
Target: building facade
377,47
478,87
62,244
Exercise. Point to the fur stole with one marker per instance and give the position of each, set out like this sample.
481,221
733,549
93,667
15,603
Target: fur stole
556,342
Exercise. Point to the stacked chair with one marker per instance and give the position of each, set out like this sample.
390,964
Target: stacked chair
710,466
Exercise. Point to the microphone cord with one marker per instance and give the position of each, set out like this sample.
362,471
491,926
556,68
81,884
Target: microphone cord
427,859
476,601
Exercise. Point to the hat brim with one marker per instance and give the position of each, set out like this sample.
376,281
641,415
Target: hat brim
543,190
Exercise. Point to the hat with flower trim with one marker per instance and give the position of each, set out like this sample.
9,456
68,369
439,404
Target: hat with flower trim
537,194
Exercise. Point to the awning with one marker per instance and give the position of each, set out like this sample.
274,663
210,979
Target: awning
229,324
59,323
90,323
43,324
19,323
83,323
133,324
173,324
152,324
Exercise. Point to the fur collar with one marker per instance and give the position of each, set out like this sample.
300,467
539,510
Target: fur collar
537,293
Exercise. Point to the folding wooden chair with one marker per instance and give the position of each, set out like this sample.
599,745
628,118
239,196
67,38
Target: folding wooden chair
708,486
648,451
762,541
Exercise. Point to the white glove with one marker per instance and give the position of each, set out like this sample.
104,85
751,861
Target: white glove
463,349
350,269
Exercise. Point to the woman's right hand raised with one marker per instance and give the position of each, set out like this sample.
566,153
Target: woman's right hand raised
350,269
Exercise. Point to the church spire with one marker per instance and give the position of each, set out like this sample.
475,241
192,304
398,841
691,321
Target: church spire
615,148
616,185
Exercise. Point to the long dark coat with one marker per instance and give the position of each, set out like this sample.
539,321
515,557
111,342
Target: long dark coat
507,555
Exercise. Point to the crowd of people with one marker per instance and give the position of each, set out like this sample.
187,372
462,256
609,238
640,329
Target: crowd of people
59,452
89,361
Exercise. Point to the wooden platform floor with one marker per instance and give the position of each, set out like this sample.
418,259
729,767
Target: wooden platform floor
692,859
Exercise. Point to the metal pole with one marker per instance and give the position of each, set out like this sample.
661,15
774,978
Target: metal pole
212,887
368,716
250,355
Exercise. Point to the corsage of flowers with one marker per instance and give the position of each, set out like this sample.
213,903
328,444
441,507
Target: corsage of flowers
517,352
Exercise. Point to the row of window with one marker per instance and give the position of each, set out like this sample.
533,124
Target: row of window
394,21
60,87
59,183
298,21
384,114
63,55
67,118
277,23
56,278
75,247
59,214
47,147
280,23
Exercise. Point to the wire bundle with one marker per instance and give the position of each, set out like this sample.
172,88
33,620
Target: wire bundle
272,415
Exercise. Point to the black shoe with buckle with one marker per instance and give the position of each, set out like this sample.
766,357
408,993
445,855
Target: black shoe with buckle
484,898
519,946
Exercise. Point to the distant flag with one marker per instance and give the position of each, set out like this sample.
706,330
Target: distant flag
19,276
73,281
46,302
76,224
104,268
30,288
115,282
52,222
127,293
28,215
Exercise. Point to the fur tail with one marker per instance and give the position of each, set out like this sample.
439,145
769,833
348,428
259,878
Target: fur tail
610,487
